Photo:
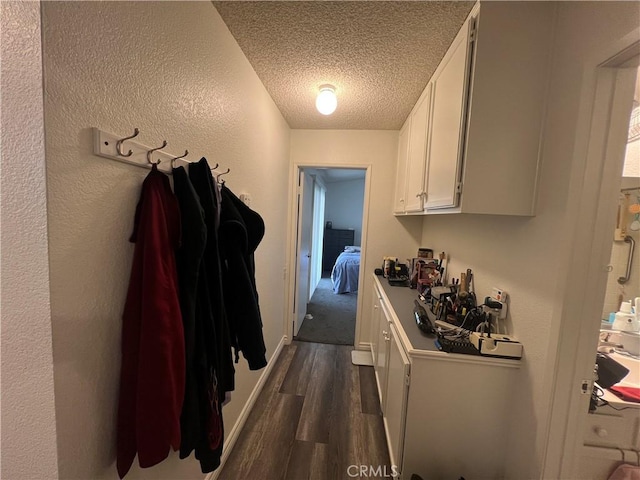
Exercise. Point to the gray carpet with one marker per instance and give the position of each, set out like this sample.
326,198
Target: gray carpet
334,317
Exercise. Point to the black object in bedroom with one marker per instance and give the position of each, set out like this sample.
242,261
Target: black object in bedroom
334,242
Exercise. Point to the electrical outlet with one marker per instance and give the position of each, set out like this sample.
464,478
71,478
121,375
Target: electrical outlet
501,296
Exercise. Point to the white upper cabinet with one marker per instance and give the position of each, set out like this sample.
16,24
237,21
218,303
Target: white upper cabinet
401,170
509,83
449,83
484,120
412,151
417,152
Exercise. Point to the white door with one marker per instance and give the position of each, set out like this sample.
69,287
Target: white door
417,153
317,235
382,353
401,174
596,218
396,397
447,125
303,256
375,327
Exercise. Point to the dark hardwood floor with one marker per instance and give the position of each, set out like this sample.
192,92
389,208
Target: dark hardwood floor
316,415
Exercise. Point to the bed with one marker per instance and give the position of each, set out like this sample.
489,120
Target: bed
346,270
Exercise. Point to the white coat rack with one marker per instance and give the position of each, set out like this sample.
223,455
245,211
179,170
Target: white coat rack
105,145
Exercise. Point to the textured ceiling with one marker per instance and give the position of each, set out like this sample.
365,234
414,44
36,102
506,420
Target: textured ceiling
378,55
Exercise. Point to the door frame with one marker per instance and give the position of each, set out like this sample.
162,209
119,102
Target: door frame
591,213
292,252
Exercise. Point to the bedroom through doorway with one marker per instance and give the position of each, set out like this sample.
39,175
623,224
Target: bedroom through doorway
330,217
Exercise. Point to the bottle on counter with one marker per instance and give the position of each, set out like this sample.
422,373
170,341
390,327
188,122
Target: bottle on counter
625,320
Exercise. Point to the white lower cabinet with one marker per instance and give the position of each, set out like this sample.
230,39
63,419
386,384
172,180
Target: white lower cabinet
445,415
392,370
375,324
398,370
382,354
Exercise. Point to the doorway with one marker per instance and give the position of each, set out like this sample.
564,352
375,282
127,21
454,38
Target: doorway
329,232
614,420
583,304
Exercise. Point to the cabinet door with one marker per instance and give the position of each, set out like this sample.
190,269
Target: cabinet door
375,324
382,355
398,371
418,153
401,171
450,85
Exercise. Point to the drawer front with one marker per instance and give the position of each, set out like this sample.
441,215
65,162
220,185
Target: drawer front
617,431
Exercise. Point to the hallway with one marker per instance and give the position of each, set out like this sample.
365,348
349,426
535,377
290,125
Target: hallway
333,316
316,415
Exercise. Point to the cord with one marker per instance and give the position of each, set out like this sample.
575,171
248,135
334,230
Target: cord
596,396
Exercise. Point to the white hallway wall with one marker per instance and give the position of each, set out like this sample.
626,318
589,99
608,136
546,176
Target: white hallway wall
28,410
344,206
524,256
174,71
387,235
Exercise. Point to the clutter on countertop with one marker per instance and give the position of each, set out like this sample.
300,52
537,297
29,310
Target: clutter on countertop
451,310
628,394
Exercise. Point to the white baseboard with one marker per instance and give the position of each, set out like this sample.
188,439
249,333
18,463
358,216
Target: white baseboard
234,433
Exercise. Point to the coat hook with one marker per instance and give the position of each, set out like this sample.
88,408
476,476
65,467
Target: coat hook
186,152
119,143
149,152
220,174
216,166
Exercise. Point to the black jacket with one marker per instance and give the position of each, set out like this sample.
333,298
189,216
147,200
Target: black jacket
188,260
214,337
241,230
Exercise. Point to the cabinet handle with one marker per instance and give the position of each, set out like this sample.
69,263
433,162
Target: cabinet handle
601,432
386,335
376,307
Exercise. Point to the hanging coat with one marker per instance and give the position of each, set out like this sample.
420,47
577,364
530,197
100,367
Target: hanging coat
241,230
152,375
188,260
216,358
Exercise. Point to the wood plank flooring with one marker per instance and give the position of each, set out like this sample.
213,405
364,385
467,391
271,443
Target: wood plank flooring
316,415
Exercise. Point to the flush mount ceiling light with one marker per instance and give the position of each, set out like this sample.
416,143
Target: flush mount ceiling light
326,102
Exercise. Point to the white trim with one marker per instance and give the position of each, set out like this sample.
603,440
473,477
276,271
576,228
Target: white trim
234,433
591,214
364,235
293,176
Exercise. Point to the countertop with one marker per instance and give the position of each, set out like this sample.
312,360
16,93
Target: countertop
632,379
399,301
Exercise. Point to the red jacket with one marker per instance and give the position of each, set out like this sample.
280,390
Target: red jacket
153,358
